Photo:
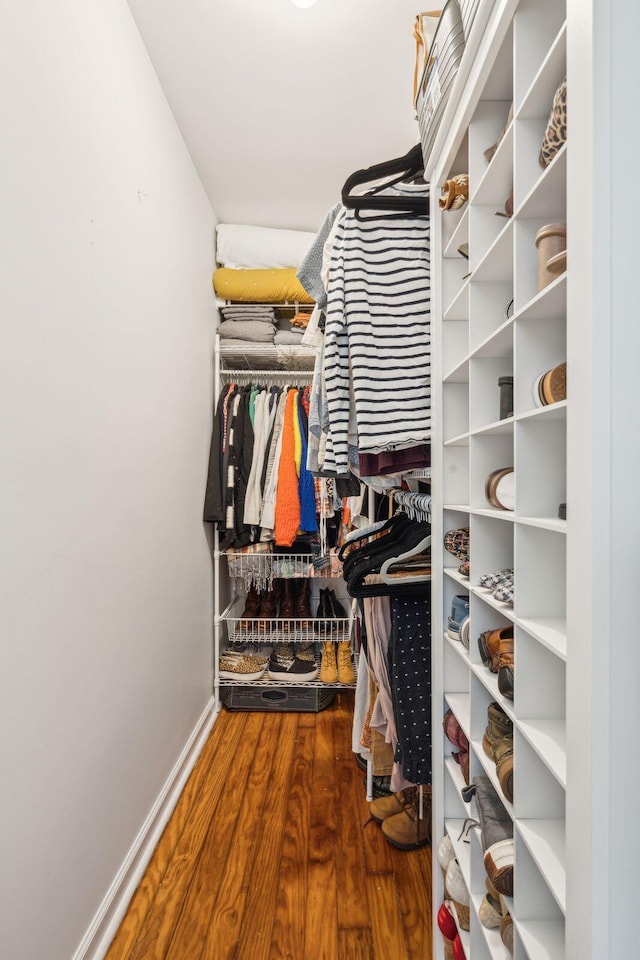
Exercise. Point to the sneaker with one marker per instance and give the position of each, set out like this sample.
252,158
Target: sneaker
291,669
489,581
241,666
305,651
499,861
506,933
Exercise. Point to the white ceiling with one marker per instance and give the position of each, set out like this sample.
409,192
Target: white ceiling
277,104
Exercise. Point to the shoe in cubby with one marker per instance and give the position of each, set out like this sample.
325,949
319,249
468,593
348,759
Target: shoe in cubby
497,743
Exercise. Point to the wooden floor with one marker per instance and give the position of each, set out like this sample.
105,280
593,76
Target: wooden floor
265,855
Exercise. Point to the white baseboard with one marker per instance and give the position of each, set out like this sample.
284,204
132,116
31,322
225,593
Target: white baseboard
104,925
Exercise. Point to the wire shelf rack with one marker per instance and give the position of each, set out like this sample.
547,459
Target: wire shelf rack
266,682
257,630
261,568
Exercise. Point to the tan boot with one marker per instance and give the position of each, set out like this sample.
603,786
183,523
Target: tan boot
328,665
405,830
385,807
346,673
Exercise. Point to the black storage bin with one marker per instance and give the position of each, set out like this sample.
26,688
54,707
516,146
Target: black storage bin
277,699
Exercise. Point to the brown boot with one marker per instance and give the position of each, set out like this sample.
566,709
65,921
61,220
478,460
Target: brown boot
303,604
497,743
287,602
406,830
385,807
269,606
251,609
328,666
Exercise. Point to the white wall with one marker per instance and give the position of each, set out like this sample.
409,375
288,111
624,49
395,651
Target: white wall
106,313
279,105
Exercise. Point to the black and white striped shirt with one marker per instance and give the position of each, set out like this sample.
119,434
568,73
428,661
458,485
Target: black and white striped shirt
377,334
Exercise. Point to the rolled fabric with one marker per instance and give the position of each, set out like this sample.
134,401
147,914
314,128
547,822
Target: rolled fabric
259,286
244,246
253,331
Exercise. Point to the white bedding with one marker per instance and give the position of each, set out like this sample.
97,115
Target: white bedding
257,248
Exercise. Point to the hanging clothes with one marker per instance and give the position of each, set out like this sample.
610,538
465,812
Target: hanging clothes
377,334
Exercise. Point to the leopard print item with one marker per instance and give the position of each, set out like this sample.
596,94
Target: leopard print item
556,133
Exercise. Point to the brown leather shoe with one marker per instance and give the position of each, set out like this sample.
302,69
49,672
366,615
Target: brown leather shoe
505,669
497,743
489,646
287,602
303,603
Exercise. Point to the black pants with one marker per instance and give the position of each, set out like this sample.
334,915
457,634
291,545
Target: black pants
410,672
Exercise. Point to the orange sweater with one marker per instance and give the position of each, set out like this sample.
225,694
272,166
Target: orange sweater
287,497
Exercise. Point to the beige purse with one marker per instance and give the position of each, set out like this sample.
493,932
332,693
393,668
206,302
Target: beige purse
424,29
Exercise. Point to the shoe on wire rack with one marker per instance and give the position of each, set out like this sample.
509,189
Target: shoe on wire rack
241,666
291,669
329,664
346,673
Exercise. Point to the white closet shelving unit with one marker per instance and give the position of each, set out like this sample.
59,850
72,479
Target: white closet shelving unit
491,320
233,569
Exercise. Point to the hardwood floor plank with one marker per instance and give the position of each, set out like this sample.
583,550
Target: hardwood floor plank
265,858
414,900
192,916
159,926
223,933
321,933
257,924
350,871
287,937
386,923
355,944
180,820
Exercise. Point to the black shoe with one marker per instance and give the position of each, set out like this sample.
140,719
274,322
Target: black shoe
291,669
338,611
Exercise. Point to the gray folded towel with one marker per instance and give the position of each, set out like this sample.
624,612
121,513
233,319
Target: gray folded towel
246,313
253,331
288,338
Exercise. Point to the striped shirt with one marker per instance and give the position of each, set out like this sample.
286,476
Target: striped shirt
377,334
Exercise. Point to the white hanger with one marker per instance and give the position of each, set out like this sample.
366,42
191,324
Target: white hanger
414,552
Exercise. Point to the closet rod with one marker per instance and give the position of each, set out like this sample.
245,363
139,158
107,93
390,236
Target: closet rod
254,376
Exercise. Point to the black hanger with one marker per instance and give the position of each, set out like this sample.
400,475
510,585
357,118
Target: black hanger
402,169
411,538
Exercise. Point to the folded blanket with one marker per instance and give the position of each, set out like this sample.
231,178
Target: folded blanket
301,320
288,337
256,311
251,317
253,331
259,286
245,247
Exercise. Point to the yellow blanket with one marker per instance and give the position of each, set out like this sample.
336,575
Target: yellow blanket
259,286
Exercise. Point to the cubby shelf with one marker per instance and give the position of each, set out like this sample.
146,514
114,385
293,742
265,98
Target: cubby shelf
545,840
490,770
523,62
542,939
455,773
547,737
551,633
453,829
492,937
460,706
